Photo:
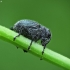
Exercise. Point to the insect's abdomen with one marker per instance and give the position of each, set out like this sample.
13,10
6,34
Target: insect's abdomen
33,33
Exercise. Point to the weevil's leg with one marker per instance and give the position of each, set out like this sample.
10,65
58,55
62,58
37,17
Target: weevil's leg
11,28
25,51
34,38
16,37
42,52
19,33
30,44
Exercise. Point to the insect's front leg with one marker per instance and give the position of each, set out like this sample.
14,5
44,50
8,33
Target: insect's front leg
43,51
44,42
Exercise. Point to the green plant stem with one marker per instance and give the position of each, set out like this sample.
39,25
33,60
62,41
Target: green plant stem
36,49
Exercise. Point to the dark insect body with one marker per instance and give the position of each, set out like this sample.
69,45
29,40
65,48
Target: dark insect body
33,31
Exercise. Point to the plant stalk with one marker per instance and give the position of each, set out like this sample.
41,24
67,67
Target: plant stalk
36,49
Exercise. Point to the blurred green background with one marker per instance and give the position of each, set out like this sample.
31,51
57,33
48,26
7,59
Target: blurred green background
54,14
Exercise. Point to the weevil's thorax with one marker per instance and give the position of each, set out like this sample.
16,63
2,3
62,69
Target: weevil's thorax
29,29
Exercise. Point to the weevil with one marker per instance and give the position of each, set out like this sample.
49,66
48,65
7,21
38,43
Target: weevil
33,31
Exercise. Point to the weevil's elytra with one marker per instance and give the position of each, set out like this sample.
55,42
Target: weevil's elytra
33,31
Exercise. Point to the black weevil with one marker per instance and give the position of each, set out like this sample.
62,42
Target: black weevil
33,31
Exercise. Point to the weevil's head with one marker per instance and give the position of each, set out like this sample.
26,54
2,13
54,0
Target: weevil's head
49,34
46,37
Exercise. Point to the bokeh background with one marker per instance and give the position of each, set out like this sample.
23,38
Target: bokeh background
54,14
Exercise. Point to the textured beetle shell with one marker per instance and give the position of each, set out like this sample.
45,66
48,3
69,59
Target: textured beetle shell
31,29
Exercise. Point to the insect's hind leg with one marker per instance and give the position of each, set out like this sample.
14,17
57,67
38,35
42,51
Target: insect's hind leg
11,28
15,36
19,33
